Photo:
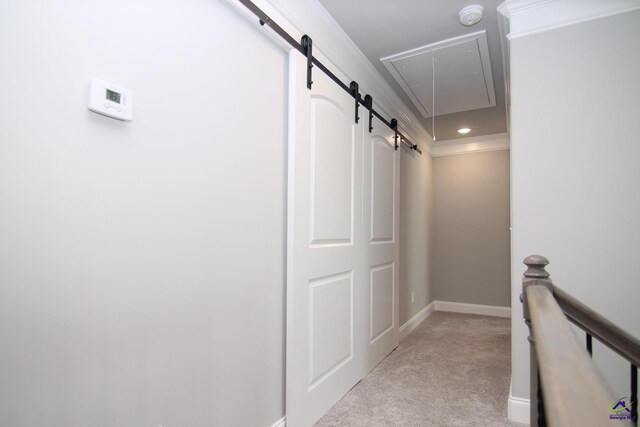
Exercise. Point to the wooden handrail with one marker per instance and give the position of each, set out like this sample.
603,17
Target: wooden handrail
566,389
574,395
610,334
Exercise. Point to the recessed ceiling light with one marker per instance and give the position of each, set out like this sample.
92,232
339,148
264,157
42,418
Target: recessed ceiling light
471,15
464,130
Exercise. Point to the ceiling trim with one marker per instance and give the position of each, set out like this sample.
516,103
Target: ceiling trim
518,6
504,29
533,16
480,37
332,45
476,144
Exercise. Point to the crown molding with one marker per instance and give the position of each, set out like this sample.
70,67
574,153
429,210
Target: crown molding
476,144
533,16
514,7
504,28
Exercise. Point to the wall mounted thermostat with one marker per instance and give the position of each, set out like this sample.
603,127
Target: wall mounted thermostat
110,100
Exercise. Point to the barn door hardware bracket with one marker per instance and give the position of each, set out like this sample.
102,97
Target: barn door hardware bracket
355,88
368,104
307,46
394,126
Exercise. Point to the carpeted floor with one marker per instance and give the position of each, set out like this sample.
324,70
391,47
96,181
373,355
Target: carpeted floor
453,370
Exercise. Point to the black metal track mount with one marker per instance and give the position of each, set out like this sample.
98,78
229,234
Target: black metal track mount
368,104
307,45
355,92
394,126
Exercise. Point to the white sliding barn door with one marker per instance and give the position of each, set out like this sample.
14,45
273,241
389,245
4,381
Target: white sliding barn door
342,245
326,301
381,178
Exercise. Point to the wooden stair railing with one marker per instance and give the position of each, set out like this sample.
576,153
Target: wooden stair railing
566,389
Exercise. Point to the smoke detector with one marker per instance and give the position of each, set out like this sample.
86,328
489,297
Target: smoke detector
471,15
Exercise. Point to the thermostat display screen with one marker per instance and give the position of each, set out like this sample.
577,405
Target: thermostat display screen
113,96
110,99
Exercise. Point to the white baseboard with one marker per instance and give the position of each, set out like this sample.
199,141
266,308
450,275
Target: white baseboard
461,307
413,323
518,409
280,423
455,307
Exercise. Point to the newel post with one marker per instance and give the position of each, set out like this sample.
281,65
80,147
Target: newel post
535,275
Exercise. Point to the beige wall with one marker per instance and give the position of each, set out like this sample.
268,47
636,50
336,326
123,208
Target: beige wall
575,102
470,253
416,229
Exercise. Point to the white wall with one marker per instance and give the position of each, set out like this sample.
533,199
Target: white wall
575,176
142,263
142,272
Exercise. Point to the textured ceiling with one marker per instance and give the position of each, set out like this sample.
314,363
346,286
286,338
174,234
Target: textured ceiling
381,28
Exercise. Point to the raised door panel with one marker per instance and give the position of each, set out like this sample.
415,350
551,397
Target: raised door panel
332,187
382,190
330,326
382,310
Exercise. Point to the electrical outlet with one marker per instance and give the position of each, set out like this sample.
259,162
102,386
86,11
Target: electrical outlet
413,297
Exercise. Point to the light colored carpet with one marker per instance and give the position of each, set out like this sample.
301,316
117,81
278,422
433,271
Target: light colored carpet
453,370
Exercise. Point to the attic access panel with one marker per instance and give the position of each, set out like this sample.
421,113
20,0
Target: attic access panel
463,79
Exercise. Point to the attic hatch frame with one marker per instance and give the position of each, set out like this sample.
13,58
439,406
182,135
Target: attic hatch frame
305,47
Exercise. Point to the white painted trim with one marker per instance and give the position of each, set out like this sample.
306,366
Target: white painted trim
282,422
480,39
416,320
504,27
455,307
518,6
534,16
518,409
461,307
499,141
